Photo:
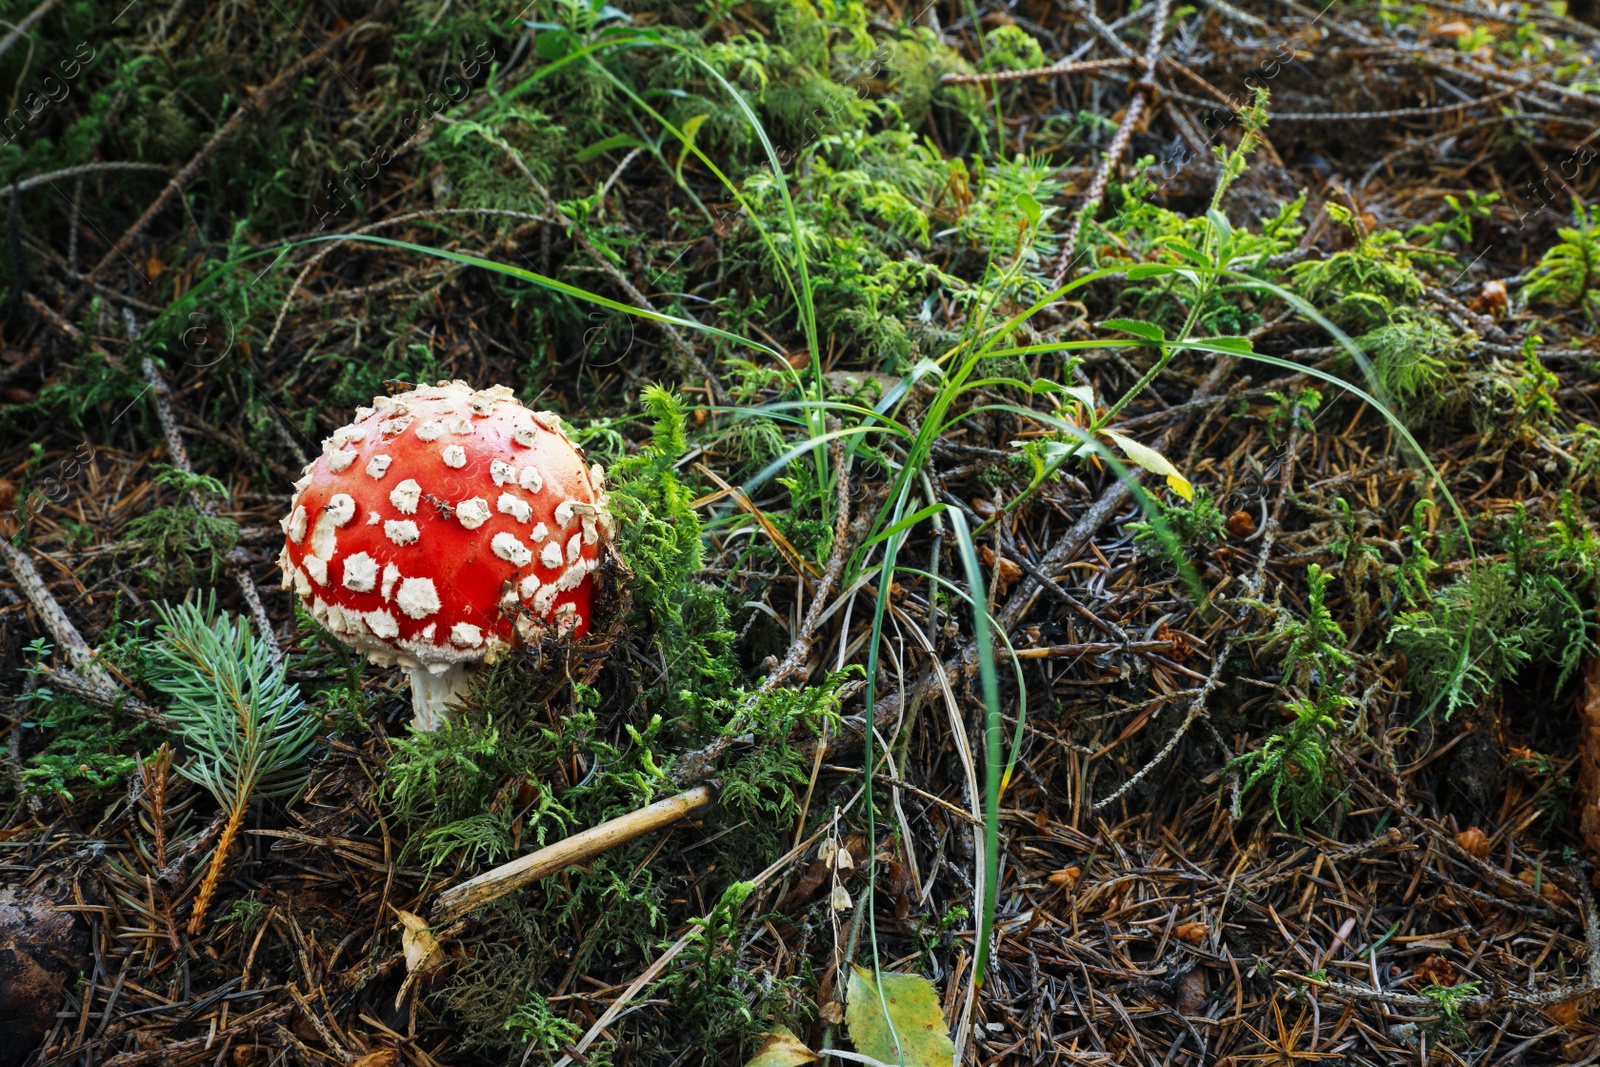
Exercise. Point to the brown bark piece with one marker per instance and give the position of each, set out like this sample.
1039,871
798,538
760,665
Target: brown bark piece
1589,757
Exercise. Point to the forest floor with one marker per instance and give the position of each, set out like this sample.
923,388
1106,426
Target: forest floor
1106,498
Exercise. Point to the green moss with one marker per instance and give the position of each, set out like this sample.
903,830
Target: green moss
1506,616
1182,531
179,544
658,538
536,1026
1011,47
1417,360
1296,762
1360,289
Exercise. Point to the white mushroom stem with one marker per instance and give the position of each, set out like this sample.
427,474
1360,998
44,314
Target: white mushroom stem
431,692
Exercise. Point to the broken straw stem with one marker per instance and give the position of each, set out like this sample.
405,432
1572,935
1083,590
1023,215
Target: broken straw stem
491,885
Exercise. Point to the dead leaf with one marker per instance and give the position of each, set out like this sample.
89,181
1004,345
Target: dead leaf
1066,877
1192,992
383,1057
422,951
1474,841
1566,1012
1547,889
1009,571
913,1010
1194,933
831,1013
781,1049
1436,970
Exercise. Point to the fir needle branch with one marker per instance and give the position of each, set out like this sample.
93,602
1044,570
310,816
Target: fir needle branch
237,711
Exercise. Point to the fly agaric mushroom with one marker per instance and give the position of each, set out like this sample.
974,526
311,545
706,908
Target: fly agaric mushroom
442,526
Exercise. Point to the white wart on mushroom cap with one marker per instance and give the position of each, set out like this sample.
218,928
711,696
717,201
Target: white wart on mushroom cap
442,525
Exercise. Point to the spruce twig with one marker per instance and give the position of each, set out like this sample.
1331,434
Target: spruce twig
238,712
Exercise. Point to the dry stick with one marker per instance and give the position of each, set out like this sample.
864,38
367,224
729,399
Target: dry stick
112,697
800,647
1097,189
171,1051
991,77
1269,535
21,29
1197,708
230,129
1130,118
77,172
637,298
693,766
88,679
67,637
1370,116
1451,62
48,314
491,885
180,458
650,974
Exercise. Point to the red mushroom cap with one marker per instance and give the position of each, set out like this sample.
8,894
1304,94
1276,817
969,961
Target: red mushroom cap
444,524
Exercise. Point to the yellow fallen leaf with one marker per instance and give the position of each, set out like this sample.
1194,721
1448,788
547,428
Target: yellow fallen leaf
1154,462
913,1033
781,1049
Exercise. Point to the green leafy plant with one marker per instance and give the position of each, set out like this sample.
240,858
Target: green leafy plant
1314,656
249,914
1412,573
1361,287
1292,412
1454,229
1513,620
1194,525
658,536
539,1028
457,786
1451,1024
710,983
1567,272
236,710
896,1019
760,788
1296,761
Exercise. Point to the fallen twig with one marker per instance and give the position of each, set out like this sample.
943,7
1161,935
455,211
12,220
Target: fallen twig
491,885
237,560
